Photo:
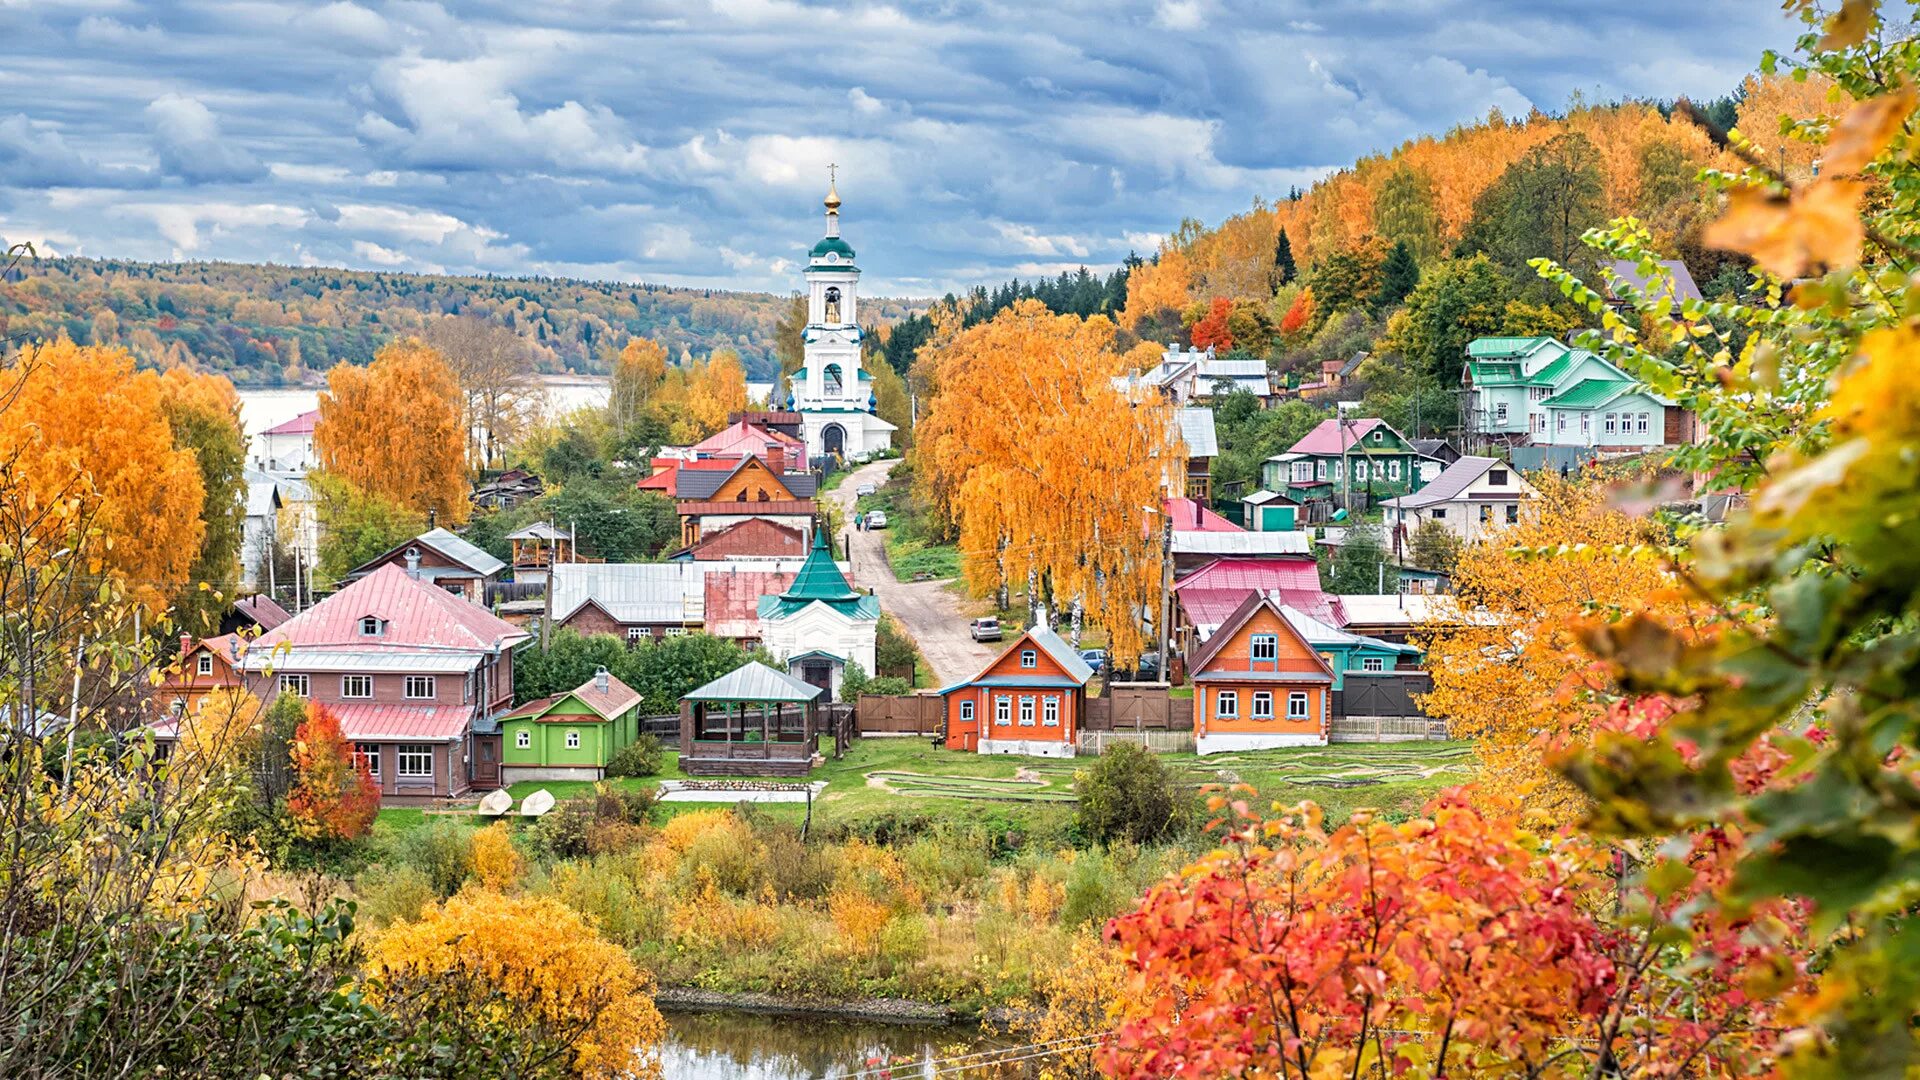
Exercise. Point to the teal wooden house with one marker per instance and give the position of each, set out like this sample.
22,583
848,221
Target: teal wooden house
570,736
1363,455
1543,391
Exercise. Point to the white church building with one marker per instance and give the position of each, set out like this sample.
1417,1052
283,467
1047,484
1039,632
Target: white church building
832,395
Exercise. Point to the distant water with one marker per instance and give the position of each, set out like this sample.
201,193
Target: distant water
739,1046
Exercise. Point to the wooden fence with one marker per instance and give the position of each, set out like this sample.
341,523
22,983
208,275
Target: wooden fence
1095,743
905,714
1138,708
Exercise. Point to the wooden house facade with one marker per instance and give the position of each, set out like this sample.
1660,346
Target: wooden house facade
1259,683
1029,700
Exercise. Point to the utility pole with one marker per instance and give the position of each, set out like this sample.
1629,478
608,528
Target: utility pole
1166,592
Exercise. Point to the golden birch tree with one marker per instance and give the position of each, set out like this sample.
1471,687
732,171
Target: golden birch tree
393,429
1047,469
1508,667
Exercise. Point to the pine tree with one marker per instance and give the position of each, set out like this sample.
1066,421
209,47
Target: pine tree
1284,270
1398,275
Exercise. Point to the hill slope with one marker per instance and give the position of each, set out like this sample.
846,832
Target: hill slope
274,325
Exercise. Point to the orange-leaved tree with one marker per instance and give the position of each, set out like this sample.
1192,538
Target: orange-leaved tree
1045,467
83,424
637,373
393,429
334,795
1457,943
560,978
1505,651
204,414
1211,331
714,390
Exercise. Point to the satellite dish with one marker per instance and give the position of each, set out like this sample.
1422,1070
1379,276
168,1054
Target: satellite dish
537,803
495,803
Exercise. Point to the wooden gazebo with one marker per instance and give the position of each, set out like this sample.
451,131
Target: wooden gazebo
752,721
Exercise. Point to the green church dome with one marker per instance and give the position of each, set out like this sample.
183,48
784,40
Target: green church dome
832,244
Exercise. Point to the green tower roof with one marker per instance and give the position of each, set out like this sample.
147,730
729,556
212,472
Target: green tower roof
818,578
832,243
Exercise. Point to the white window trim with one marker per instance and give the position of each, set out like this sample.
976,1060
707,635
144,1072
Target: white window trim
1002,710
1050,711
1263,704
432,686
1226,704
347,681
1026,710
635,633
1609,423
416,750
1300,698
1373,663
966,712
1500,413
371,757
296,684
676,631
573,740
1393,469
203,664
523,739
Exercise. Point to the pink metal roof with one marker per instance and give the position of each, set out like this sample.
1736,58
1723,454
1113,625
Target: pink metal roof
1190,516
299,425
733,600
376,721
417,616
1211,593
1326,437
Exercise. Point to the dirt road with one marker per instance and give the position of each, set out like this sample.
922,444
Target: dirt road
926,610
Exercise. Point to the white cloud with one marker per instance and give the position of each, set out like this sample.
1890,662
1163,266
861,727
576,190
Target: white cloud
187,139
348,23
371,252
1181,15
865,103
105,30
188,225
1025,240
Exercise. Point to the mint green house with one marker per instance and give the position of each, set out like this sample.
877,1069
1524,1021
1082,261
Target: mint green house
1542,391
570,736
1345,652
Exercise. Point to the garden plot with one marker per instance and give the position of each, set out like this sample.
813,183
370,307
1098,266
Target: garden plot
1339,767
1032,785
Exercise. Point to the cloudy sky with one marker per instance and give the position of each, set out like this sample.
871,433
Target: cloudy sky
686,142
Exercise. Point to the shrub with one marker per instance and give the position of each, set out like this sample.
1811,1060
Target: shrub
1126,795
797,870
391,894
888,686
440,850
623,805
641,757
1095,891
496,863
904,940
853,683
682,831
561,833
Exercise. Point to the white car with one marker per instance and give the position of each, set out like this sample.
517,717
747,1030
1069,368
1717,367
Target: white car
876,519
865,489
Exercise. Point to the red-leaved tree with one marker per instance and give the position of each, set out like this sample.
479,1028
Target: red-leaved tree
1212,330
334,795
1459,943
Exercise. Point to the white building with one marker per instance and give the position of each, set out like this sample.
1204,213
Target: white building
1474,497
820,624
833,396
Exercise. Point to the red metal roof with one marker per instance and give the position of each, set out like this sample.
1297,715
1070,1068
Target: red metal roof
776,507
733,600
416,614
752,537
1189,516
377,721
1327,437
262,610
299,425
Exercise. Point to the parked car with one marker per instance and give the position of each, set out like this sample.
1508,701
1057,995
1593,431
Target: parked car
987,629
866,489
1145,669
876,519
1095,658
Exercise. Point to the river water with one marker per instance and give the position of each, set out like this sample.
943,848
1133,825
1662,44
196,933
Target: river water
742,1046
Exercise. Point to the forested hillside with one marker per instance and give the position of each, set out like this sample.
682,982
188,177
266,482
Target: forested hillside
272,325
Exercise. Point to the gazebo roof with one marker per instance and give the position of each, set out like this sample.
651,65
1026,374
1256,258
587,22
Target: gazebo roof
755,682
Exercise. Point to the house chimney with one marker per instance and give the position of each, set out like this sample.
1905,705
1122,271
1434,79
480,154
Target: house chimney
186,645
777,459
1196,512
413,562
431,515
600,680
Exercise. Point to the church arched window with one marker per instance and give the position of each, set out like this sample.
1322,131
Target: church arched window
832,377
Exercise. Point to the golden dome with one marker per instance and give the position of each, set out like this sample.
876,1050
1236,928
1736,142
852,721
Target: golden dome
833,198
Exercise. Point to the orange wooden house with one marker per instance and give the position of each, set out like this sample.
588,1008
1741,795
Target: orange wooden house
710,500
204,666
1258,682
1029,700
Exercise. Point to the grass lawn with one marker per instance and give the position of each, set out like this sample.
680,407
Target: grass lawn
909,776
910,549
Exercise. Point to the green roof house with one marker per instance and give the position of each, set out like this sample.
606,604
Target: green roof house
820,624
1541,391
570,736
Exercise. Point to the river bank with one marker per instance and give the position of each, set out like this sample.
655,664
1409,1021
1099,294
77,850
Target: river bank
747,1046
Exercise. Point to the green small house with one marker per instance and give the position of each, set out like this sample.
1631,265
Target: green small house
1382,461
570,736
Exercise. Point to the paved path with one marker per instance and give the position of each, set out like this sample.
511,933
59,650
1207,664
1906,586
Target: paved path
929,612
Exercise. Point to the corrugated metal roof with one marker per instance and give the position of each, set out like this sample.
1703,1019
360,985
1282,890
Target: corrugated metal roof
1454,479
755,682
299,425
1212,367
1190,516
696,484
771,508
1197,431
665,592
380,722
754,538
262,610
373,661
1264,676
732,601
1503,346
616,699
1400,609
262,494
539,530
1589,394
1240,543
1332,437
1063,654
417,615
461,551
